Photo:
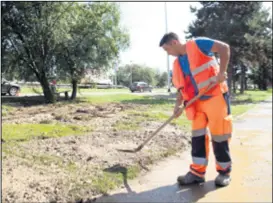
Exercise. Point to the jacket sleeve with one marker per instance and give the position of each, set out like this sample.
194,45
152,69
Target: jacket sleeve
177,77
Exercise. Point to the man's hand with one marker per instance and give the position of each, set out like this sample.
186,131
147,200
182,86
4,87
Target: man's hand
221,77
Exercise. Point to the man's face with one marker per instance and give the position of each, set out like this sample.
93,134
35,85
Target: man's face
171,48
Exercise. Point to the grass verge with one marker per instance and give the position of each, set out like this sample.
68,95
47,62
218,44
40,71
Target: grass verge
6,110
25,132
252,96
30,90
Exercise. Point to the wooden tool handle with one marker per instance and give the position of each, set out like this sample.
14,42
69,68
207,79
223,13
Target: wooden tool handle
174,115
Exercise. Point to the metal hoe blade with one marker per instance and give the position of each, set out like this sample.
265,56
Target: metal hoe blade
132,150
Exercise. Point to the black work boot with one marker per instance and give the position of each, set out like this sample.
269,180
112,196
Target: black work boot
189,178
222,180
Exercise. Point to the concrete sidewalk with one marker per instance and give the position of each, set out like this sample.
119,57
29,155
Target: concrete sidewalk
251,150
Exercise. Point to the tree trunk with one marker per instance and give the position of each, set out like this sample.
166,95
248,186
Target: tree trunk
242,81
230,78
265,77
48,94
245,85
234,85
74,90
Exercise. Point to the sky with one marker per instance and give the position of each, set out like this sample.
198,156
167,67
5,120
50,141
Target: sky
145,22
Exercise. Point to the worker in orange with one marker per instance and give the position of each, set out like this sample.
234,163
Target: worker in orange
195,69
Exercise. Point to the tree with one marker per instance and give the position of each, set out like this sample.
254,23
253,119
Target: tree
161,79
39,38
260,51
93,39
29,32
228,22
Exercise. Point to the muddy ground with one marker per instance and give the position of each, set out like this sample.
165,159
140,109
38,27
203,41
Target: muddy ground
71,168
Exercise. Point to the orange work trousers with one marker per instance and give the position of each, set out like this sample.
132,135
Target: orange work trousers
212,116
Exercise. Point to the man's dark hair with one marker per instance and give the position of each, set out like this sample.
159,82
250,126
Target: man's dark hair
167,38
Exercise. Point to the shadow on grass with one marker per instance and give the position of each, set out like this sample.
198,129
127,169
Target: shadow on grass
40,100
124,171
32,101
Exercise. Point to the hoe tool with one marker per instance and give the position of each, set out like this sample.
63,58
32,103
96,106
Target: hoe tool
182,107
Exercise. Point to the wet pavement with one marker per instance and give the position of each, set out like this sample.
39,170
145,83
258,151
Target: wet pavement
251,150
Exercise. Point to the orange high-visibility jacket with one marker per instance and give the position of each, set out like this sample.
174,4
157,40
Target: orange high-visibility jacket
203,70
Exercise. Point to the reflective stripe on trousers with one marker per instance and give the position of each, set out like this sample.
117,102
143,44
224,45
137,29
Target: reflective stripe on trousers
220,138
200,161
223,165
199,132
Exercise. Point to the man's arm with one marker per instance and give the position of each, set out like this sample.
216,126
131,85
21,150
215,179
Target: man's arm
224,51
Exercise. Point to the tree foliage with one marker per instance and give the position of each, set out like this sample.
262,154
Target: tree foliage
245,26
137,72
161,79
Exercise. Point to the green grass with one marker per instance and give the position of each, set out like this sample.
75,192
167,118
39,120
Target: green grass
117,90
103,90
128,98
38,90
103,182
99,99
253,96
29,90
6,110
240,109
25,132
246,101
107,181
126,125
153,114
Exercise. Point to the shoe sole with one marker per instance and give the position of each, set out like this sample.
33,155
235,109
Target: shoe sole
221,185
192,183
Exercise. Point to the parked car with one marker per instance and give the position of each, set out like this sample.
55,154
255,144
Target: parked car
9,88
141,87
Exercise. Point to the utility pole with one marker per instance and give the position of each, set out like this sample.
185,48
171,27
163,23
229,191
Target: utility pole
131,72
168,64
